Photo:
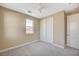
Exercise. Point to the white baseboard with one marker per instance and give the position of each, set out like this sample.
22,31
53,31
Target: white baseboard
46,42
54,44
58,45
4,50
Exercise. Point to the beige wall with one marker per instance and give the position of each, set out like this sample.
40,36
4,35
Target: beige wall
59,29
1,28
12,29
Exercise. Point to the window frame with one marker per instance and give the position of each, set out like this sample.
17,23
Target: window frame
32,27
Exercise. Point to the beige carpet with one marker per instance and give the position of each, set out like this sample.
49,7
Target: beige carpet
41,49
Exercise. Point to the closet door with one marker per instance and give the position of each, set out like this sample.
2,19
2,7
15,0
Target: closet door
43,30
46,30
73,31
49,29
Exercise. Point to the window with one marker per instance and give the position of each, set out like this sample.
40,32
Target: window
29,26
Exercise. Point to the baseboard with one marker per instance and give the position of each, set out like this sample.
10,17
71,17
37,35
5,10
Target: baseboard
4,50
73,48
54,44
58,45
46,42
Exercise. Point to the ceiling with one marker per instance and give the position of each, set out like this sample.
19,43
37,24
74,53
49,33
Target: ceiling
32,9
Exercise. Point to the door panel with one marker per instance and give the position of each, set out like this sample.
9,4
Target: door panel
73,31
49,30
46,30
43,30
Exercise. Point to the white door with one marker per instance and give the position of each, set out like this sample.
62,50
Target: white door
49,29
43,30
73,31
46,30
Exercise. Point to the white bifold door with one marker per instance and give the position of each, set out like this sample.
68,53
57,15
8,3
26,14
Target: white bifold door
46,29
73,31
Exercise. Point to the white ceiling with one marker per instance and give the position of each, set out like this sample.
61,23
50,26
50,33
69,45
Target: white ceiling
50,8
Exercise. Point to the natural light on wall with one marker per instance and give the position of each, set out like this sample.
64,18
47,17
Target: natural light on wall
29,26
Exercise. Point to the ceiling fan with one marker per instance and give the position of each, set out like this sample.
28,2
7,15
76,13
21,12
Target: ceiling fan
41,7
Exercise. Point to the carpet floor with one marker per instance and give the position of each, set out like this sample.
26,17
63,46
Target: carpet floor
41,49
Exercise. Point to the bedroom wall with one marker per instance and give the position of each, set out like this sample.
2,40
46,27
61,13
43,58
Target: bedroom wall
59,29
12,28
